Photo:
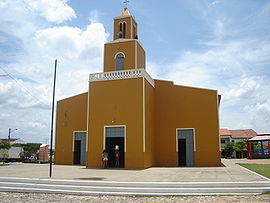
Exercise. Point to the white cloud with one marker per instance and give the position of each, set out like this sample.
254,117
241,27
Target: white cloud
79,52
244,90
220,30
56,11
3,4
213,3
72,42
36,125
260,115
219,65
94,16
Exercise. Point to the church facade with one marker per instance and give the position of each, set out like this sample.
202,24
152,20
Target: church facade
151,122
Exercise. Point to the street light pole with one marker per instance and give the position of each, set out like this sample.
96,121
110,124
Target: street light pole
9,132
51,150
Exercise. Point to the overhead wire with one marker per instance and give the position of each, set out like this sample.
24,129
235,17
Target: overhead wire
25,89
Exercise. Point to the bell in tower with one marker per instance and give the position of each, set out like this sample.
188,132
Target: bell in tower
125,26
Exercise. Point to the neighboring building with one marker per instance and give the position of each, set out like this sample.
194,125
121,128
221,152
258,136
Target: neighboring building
235,135
225,136
14,141
259,146
152,122
14,153
44,152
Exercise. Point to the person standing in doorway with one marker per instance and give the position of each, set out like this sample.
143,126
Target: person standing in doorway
105,157
117,158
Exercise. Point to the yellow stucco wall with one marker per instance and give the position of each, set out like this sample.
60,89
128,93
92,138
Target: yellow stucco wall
186,107
130,48
117,102
166,106
140,56
71,115
149,155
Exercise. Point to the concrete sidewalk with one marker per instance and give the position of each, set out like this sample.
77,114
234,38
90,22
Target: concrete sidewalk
231,172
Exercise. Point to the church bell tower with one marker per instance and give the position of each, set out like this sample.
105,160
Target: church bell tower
125,26
125,51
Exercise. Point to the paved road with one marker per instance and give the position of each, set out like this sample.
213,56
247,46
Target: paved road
230,173
132,188
231,179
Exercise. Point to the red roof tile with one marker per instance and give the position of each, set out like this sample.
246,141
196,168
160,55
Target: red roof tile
224,131
247,133
11,140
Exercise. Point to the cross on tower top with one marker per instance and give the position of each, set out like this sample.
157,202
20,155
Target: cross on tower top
126,3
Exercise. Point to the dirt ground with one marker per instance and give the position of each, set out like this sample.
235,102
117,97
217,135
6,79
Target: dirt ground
35,197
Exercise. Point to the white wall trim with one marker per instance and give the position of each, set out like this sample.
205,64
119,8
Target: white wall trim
111,126
87,119
73,137
73,141
143,111
121,74
119,53
122,22
219,138
194,137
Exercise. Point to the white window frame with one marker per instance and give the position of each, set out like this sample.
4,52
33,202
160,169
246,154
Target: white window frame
119,53
194,137
73,138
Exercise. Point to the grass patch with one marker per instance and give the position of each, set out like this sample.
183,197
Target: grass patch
263,169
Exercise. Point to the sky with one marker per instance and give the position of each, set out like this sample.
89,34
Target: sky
214,44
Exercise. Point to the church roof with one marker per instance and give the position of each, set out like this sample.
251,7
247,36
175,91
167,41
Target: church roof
125,12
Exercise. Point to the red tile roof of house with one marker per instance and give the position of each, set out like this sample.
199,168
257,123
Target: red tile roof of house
11,140
238,134
14,141
247,133
224,131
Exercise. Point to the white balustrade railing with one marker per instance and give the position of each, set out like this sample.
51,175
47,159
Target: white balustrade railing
122,74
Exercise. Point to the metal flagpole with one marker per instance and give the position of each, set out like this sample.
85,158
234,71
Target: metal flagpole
51,150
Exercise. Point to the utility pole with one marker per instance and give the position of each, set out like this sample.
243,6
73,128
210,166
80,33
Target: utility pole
9,131
51,150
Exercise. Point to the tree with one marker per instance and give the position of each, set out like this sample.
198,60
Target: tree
31,149
5,146
240,146
228,149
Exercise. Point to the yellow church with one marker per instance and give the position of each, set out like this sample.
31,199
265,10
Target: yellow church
151,122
